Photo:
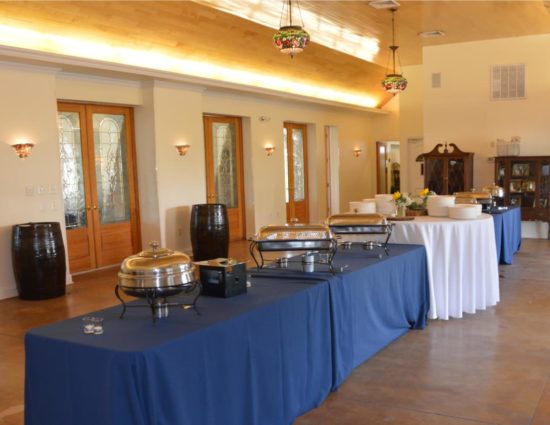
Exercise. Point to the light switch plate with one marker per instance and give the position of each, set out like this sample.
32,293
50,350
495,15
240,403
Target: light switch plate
29,190
40,189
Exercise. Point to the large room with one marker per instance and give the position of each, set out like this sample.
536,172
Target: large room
304,197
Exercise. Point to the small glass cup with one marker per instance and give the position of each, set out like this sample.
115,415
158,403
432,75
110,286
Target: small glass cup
98,325
88,325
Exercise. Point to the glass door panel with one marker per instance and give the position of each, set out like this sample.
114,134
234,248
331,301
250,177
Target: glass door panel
434,171
544,184
296,190
111,165
299,166
224,158
456,176
72,177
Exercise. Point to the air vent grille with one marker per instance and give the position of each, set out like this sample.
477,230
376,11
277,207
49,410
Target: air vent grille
508,82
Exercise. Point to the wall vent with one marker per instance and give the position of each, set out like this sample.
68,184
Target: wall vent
436,80
508,82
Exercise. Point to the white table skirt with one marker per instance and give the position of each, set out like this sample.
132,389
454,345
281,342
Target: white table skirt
462,264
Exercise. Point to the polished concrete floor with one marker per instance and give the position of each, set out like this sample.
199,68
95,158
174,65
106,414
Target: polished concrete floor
489,368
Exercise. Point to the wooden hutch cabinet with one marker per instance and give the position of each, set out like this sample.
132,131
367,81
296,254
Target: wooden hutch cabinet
526,181
448,172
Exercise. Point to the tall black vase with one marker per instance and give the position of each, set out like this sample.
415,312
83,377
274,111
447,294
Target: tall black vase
209,231
38,259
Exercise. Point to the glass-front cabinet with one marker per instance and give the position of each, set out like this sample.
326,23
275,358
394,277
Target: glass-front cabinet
526,181
448,171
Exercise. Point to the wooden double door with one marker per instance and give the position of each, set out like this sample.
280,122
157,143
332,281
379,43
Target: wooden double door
99,184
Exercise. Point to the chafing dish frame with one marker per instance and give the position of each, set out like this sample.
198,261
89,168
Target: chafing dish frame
326,245
152,295
355,226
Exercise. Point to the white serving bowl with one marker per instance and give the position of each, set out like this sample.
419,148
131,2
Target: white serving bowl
384,204
441,200
465,211
438,211
362,207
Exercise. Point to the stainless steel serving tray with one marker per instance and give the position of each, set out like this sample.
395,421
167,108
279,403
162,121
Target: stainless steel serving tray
353,224
293,237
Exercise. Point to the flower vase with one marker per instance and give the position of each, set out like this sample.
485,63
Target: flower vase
401,211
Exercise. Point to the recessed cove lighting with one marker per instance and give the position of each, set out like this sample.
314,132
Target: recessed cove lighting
384,4
431,34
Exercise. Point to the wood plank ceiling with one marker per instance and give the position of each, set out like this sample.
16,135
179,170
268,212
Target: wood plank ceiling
186,29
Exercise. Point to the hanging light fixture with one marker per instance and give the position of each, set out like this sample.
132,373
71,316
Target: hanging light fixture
394,83
290,39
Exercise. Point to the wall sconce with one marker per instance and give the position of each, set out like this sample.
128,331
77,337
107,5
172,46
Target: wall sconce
269,150
357,152
23,150
182,149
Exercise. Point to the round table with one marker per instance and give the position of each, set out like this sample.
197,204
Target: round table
462,264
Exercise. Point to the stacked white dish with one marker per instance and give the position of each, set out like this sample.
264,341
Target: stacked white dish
384,204
465,211
362,207
438,205
370,205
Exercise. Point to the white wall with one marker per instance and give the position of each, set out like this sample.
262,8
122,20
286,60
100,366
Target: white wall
461,110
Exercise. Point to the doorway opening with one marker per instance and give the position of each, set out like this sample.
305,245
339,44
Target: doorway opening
388,167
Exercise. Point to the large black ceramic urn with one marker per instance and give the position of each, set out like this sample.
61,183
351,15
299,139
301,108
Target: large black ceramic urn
38,259
209,231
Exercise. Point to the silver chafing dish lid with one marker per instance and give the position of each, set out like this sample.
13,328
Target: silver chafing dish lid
294,232
156,263
372,219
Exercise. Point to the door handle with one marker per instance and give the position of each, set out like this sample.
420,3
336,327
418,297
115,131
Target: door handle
95,207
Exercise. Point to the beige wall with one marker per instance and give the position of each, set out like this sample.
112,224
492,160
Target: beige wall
461,110
28,111
167,113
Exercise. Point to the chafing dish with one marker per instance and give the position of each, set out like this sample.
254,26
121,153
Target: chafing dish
484,198
156,274
293,237
362,224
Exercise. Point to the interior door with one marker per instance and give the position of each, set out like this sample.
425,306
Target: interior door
99,184
224,169
295,147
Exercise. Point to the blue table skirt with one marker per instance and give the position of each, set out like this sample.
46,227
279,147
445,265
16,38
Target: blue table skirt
373,302
263,358
260,358
507,233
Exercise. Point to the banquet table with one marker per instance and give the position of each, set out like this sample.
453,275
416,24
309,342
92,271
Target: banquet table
263,357
507,233
462,265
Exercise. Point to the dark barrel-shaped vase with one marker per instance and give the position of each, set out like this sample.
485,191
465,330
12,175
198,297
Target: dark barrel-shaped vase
38,259
209,231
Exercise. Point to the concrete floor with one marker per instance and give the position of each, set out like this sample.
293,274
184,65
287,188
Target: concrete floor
489,368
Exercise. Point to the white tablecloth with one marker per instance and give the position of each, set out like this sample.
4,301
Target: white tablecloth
462,265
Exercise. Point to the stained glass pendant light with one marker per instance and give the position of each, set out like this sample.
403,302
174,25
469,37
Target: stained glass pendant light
394,83
291,39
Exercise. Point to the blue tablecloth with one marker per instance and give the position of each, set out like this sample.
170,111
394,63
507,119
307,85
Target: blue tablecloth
264,357
260,358
507,233
373,302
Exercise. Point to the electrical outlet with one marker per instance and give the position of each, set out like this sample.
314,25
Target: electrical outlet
40,189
